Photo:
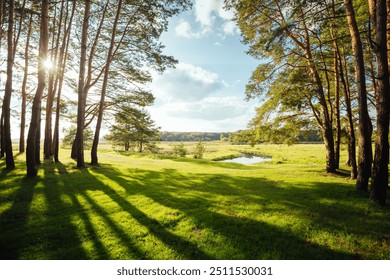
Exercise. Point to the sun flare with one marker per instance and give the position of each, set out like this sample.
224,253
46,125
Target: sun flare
48,64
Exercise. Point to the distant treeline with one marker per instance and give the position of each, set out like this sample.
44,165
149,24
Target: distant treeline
241,137
193,136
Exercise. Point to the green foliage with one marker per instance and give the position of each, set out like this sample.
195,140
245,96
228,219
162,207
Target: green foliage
200,148
294,42
180,150
152,147
192,136
243,137
133,127
70,134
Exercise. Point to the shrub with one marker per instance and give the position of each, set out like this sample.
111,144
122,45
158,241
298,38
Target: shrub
199,150
180,150
152,148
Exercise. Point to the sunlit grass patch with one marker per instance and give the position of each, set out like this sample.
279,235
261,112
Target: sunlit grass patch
151,207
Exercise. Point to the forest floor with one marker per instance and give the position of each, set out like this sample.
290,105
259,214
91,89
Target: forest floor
144,206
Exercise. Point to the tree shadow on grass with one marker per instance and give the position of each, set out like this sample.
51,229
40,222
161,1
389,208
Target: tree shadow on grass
68,221
13,241
242,237
90,213
335,206
75,235
184,248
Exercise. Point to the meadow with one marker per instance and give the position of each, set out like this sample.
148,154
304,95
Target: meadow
159,206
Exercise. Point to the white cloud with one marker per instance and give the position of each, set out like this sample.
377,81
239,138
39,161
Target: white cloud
192,98
204,11
211,109
184,29
186,83
229,28
208,13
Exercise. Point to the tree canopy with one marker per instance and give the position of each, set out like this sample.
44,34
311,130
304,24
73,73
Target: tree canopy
317,69
90,54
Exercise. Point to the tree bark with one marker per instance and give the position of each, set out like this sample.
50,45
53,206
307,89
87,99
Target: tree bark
94,157
380,171
351,126
341,82
34,133
337,108
79,140
326,122
24,90
2,137
61,66
48,149
9,158
388,34
89,80
365,125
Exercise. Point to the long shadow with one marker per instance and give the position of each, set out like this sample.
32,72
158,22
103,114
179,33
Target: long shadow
184,248
247,238
77,210
169,239
61,236
99,248
12,242
50,232
350,218
70,205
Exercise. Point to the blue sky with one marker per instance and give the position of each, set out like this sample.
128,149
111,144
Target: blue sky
206,90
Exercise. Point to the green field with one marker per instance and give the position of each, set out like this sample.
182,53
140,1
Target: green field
143,206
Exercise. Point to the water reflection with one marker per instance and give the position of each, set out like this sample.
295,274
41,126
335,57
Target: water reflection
249,159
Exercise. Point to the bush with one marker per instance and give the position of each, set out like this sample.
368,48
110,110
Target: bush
152,148
180,150
199,150
70,134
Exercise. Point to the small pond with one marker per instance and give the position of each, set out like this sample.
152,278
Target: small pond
248,159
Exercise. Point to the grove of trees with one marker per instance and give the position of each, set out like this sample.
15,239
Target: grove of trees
323,64
96,56
193,136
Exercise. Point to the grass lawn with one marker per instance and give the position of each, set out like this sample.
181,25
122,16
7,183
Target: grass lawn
161,207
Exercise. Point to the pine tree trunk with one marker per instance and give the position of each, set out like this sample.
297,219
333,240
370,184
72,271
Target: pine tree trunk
329,145
2,137
326,121
34,133
342,79
48,148
388,34
365,126
326,125
38,139
94,157
79,140
351,126
24,90
62,64
9,158
380,171
337,109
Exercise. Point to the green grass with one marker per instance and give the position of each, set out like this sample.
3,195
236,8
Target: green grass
159,207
